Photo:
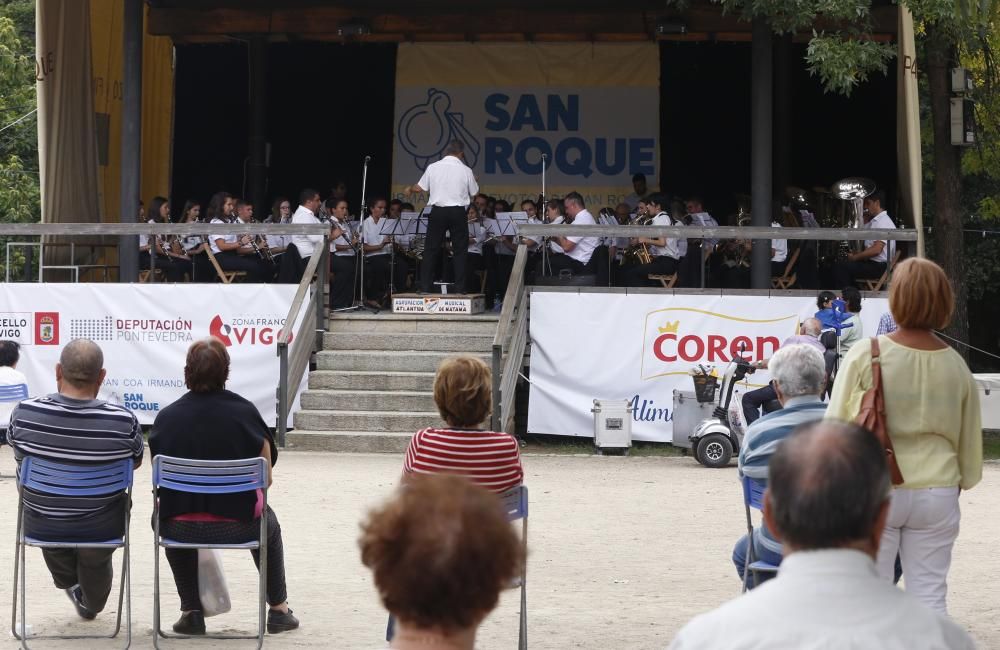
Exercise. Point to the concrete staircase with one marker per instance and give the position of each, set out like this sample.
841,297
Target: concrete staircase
374,379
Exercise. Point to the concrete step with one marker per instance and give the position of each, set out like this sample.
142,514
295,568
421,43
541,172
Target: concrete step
370,380
451,342
382,421
348,441
368,400
485,324
384,361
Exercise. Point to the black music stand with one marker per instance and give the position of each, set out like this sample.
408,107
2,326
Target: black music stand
391,228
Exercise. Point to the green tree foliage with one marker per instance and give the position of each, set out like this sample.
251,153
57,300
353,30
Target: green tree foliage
19,189
20,197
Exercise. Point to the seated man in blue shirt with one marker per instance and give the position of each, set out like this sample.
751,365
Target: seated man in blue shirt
799,376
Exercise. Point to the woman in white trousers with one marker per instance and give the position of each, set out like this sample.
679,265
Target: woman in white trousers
933,420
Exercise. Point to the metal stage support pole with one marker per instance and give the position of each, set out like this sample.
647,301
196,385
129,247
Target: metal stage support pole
761,107
131,172
257,168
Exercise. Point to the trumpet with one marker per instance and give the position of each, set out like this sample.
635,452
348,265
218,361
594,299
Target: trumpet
264,250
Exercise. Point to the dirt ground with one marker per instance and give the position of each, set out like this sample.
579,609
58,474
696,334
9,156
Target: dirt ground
623,552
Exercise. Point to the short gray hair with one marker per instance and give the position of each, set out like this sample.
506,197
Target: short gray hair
81,362
812,327
798,370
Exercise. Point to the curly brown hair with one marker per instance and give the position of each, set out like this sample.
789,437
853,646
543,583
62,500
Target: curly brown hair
441,551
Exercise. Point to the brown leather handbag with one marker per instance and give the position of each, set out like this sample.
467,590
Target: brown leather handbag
872,414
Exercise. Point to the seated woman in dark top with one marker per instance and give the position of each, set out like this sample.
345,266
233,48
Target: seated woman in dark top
212,423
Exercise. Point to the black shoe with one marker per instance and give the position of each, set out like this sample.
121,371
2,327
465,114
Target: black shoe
190,624
278,621
76,595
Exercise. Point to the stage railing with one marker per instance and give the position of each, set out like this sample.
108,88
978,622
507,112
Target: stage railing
294,352
718,232
509,343
132,229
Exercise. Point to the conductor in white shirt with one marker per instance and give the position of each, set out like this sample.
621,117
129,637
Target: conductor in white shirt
451,185
827,501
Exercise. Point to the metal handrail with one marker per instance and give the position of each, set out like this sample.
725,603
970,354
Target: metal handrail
122,229
718,232
292,365
509,343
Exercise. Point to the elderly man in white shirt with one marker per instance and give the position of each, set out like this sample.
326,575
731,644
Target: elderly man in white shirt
827,502
871,262
576,251
451,186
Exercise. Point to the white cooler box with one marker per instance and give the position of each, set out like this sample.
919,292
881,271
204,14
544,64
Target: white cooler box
612,423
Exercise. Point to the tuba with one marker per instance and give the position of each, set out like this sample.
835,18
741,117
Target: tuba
854,189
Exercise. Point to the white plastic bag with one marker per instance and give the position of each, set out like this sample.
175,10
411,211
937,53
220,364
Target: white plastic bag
212,587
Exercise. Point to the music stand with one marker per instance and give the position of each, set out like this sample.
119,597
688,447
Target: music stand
391,228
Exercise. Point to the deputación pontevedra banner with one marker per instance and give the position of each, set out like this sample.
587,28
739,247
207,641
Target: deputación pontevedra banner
144,331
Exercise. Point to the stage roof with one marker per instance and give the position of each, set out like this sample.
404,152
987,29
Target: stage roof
196,21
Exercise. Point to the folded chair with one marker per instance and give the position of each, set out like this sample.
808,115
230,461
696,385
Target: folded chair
753,497
60,479
210,477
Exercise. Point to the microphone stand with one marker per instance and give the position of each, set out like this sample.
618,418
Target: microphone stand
359,302
546,265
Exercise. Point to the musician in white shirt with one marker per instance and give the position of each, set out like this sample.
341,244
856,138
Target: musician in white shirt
451,186
870,263
378,248
309,203
475,263
577,250
236,253
343,264
665,252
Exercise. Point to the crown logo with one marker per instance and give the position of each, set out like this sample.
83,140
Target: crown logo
670,328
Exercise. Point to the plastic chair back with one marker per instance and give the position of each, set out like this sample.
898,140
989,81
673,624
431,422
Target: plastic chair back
63,479
13,393
753,493
515,503
209,476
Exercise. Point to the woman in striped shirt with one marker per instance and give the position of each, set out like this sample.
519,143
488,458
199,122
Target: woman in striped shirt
463,393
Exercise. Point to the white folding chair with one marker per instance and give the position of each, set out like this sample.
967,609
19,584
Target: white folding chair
65,480
210,477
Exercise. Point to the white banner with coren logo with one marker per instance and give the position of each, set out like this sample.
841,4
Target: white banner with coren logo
640,347
144,331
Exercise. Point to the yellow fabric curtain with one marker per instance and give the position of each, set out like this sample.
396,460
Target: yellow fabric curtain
908,129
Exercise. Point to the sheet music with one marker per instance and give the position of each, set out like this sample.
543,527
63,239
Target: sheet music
507,223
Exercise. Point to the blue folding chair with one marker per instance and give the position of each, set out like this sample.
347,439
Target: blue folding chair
753,497
13,393
60,479
210,477
515,503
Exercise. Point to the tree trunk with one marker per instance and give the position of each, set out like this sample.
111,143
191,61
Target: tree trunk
948,237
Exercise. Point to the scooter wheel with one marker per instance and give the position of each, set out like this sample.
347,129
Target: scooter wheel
715,450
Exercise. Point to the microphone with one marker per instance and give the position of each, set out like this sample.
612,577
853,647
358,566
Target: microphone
368,158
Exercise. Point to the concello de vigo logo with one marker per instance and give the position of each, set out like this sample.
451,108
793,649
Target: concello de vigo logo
676,339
